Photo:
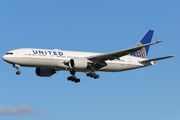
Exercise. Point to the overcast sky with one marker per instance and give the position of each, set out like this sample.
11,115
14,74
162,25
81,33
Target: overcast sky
150,93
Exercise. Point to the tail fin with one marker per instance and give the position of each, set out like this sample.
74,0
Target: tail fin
144,40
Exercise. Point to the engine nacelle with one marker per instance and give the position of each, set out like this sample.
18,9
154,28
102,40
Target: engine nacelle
78,63
45,72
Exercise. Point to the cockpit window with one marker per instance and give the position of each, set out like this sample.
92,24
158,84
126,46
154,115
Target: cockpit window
9,53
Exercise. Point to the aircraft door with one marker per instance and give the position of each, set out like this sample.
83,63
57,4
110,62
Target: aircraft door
129,60
51,57
24,54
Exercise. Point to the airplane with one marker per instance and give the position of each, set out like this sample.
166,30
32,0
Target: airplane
47,61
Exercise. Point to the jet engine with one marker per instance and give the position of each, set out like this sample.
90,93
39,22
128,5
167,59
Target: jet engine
45,72
78,63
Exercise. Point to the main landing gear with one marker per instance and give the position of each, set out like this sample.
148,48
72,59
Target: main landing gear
17,68
76,80
92,75
73,77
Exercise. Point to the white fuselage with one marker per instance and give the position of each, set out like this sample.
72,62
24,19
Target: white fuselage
45,58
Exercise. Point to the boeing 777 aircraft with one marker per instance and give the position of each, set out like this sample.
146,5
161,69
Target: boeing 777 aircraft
47,62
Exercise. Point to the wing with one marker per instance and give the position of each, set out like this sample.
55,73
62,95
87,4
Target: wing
156,59
117,54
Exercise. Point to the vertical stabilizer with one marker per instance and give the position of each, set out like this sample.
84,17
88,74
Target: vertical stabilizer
144,40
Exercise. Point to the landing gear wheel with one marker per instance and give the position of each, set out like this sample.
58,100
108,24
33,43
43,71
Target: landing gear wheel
77,80
96,76
92,75
88,74
73,77
69,78
18,73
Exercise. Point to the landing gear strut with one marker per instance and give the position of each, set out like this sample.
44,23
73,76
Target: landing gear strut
92,75
73,77
17,68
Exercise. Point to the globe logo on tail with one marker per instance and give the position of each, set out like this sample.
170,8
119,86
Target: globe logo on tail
140,53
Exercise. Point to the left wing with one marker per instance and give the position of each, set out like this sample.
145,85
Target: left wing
117,54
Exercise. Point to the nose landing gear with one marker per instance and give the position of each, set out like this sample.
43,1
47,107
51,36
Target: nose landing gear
17,68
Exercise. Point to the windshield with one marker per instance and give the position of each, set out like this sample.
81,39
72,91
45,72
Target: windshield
9,53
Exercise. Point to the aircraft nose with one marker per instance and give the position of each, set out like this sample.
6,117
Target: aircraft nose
4,58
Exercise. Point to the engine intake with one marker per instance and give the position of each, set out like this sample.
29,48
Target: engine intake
45,72
78,63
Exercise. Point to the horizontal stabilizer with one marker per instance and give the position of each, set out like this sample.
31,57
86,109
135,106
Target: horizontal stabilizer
156,59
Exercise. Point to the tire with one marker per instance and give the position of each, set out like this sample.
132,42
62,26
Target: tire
77,80
88,74
18,73
97,76
69,78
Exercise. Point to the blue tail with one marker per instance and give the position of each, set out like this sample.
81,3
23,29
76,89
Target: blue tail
145,40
